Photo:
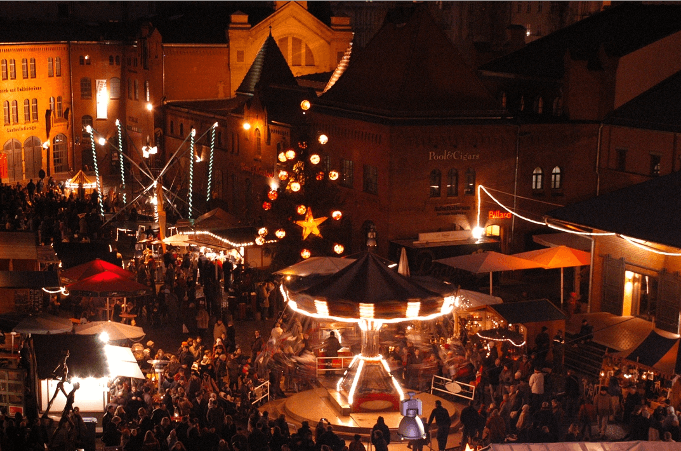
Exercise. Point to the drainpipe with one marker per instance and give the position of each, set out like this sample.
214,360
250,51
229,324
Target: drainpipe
515,181
598,159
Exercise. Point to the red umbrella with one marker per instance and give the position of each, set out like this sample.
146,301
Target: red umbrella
96,266
107,284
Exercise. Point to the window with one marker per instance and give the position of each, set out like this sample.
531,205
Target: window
296,52
537,179
521,105
539,7
87,60
452,183
59,157
34,110
557,178
15,112
529,7
85,121
27,110
50,67
57,67
32,67
115,88
137,90
503,100
147,94
129,89
539,105
85,88
24,68
4,69
12,70
347,173
370,179
111,60
557,106
258,143
181,129
118,60
621,164
435,183
469,189
172,127
326,163
240,56
60,112
81,60
654,165
5,107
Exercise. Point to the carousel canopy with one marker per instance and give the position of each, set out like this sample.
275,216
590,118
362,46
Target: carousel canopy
80,179
368,288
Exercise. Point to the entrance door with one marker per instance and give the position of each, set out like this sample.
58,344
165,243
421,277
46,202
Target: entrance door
15,167
33,152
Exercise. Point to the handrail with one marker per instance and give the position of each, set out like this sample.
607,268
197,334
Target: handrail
322,362
438,383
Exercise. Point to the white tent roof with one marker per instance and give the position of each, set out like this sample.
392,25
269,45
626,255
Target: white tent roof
585,446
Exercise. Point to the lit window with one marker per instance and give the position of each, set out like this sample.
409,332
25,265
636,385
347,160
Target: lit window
452,183
537,179
370,179
435,183
493,230
347,173
147,94
59,156
470,182
85,121
503,100
556,178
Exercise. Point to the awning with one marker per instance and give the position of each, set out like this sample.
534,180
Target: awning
122,362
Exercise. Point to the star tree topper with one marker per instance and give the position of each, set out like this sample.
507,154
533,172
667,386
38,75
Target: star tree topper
310,225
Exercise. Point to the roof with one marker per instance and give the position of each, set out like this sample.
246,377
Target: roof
269,68
86,355
618,31
410,69
524,312
655,109
28,279
651,211
18,246
613,331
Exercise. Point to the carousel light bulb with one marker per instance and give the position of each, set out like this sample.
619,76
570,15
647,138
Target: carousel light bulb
290,154
305,253
283,175
260,241
301,209
337,214
315,158
338,249
282,157
305,105
280,233
333,175
295,187
323,139
272,195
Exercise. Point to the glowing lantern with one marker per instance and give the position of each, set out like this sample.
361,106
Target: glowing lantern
295,187
283,175
333,175
290,154
305,105
266,205
323,139
280,233
272,195
301,209
338,249
337,215
262,231
282,156
247,126
260,241
320,176
305,253
315,159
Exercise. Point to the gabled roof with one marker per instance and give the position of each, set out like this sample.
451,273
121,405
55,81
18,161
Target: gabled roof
648,211
655,109
618,30
269,68
410,69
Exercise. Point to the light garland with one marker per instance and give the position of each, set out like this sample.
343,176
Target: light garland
61,290
191,171
641,245
120,159
210,162
91,131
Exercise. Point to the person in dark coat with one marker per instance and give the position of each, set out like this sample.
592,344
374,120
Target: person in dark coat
470,418
385,431
443,421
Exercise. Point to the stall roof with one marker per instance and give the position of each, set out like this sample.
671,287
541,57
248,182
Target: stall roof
28,279
523,312
18,245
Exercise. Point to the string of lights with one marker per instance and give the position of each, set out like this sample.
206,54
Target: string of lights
120,159
210,162
191,172
94,158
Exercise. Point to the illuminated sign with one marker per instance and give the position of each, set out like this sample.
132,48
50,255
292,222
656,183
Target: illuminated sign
498,214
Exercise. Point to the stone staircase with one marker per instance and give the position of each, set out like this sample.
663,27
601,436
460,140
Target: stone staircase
584,358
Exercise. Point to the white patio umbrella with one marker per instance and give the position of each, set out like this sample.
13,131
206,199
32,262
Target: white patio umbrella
115,330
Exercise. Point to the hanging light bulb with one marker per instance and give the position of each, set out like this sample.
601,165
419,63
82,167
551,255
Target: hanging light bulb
305,105
301,209
337,214
282,157
260,241
295,187
305,253
333,175
323,139
280,233
266,205
290,154
320,176
315,158
283,175
272,195
262,231
338,249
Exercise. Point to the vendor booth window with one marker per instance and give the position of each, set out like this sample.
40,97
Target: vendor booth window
435,182
537,179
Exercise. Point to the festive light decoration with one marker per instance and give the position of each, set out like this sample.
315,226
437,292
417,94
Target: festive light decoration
290,154
295,187
247,126
120,159
280,233
260,241
301,209
262,231
305,253
320,176
323,139
191,172
338,249
337,215
266,205
315,158
305,105
283,175
333,175
272,194
282,157
210,162
94,158
311,225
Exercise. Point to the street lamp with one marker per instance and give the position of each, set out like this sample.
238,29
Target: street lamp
411,426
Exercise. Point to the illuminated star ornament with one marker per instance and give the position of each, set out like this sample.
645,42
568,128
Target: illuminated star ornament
310,225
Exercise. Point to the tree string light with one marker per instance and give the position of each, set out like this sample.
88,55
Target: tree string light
191,171
210,162
120,159
94,158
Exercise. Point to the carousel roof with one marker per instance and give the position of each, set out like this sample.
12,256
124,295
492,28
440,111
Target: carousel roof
368,288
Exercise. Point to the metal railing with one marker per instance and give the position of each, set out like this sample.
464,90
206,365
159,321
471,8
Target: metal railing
451,387
261,392
332,364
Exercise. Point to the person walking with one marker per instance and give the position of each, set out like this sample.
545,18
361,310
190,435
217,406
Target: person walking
443,421
470,418
603,406
536,383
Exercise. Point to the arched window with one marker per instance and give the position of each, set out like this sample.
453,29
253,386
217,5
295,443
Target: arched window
34,110
5,109
452,183
60,111
469,190
24,68
32,67
52,104
15,112
12,69
537,179
435,183
85,121
115,88
59,156
4,69
258,143
57,66
181,129
503,99
556,178
50,67
27,110
85,88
